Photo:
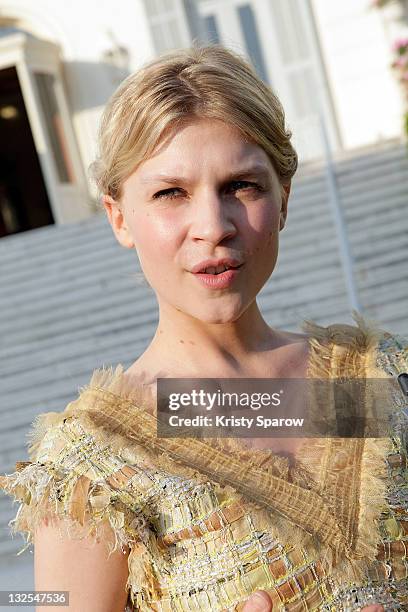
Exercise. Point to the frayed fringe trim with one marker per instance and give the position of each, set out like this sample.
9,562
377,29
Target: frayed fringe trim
345,350
82,508
132,389
372,502
40,426
111,380
373,491
143,559
336,349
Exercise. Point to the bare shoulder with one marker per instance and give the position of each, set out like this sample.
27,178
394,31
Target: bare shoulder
292,341
293,354
139,372
292,337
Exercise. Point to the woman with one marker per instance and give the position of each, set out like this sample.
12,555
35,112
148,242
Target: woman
195,169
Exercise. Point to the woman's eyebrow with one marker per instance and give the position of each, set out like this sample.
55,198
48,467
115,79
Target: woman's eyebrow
255,170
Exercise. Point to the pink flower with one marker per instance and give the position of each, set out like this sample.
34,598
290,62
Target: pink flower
400,44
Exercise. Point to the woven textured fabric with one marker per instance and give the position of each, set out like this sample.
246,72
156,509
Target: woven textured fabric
209,522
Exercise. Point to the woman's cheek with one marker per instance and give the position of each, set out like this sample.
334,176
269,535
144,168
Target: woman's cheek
267,238
265,218
156,249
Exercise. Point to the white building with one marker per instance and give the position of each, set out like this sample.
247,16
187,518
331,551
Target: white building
59,62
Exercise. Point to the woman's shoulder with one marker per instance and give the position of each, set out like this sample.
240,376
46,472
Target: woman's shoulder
108,398
377,345
365,350
89,420
80,469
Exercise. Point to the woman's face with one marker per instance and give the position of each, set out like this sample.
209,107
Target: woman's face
208,193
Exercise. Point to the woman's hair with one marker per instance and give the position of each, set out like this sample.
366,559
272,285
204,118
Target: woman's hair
203,81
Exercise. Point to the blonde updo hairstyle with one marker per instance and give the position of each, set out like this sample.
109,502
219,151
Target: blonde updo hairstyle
203,81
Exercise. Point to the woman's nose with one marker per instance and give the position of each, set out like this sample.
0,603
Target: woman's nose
211,219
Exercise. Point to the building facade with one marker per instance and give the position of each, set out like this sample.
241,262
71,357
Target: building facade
59,63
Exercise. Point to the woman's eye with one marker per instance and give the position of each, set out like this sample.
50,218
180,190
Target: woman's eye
170,193
238,185
166,193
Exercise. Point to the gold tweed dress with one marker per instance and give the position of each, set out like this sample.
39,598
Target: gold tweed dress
208,522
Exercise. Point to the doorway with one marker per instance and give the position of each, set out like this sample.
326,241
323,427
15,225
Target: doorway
24,202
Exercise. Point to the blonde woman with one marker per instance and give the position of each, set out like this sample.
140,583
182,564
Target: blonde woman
195,166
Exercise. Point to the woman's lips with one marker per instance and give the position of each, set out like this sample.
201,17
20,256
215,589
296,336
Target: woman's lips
218,281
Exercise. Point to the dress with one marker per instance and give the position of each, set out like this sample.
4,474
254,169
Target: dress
208,522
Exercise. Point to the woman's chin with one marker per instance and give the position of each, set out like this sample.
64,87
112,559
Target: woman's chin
223,309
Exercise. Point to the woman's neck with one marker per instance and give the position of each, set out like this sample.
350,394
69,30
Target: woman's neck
248,347
218,346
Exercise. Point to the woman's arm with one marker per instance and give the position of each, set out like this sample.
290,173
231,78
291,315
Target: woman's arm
81,567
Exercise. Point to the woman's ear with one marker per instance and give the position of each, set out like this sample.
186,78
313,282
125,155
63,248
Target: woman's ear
118,222
285,191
